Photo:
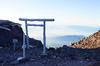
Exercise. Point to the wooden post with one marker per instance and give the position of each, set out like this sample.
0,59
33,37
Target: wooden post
15,41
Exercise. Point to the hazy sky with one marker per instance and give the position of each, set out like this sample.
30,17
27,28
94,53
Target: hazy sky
71,16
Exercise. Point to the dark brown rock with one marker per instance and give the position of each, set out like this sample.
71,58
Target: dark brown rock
10,30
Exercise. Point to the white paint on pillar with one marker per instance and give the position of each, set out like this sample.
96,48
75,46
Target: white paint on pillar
44,38
24,46
27,38
26,31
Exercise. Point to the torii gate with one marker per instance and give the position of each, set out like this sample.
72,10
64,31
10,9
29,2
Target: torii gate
26,32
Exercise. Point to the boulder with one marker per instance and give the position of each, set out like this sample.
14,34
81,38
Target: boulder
6,32
10,30
35,43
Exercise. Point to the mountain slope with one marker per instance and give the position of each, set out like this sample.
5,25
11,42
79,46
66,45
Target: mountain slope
93,41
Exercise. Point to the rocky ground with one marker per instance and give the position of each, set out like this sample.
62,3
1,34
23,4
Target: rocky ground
93,41
54,57
86,52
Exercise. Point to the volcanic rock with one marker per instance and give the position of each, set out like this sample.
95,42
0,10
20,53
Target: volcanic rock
10,30
93,41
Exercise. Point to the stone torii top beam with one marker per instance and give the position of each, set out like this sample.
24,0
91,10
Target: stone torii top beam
40,25
25,19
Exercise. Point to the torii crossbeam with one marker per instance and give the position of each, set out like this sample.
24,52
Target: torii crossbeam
40,25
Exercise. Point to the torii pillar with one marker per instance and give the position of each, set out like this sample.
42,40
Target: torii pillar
26,32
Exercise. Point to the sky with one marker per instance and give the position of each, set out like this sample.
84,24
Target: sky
72,17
